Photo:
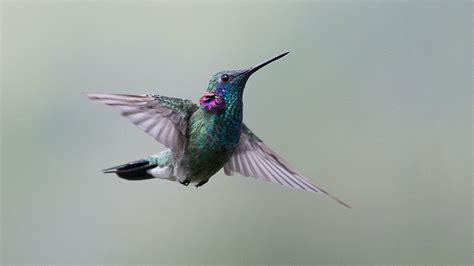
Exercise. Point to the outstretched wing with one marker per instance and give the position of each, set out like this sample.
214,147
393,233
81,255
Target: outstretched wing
163,118
254,158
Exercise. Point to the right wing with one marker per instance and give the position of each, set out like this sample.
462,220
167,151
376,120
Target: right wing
255,158
163,118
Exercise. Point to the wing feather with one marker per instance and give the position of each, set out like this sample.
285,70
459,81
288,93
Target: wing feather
254,158
163,118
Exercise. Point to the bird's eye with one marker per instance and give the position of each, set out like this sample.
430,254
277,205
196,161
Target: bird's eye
225,78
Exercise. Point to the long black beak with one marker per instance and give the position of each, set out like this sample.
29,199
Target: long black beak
254,69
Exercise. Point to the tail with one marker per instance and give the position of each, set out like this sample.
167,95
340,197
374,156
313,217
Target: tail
155,166
136,170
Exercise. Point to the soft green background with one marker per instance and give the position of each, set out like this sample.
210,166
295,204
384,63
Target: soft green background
373,103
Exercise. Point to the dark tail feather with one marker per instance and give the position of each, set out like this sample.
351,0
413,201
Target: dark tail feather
132,171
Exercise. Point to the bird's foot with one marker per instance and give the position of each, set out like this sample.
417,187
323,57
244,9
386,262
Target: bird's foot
202,183
185,182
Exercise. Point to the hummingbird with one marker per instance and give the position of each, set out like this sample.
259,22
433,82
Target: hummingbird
203,137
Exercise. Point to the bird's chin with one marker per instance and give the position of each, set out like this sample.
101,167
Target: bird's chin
212,101
212,107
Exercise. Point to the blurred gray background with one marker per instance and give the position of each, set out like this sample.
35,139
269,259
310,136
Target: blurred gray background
373,104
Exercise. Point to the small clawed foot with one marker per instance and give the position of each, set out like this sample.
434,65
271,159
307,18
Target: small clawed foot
201,183
185,182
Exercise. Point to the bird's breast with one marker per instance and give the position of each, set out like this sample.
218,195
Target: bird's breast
211,142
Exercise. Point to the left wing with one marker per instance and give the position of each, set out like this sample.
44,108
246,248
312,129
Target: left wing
163,118
254,158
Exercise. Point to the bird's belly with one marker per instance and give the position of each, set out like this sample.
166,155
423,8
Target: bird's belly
209,146
204,156
201,164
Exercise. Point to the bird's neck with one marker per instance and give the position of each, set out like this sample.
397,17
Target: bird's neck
233,108
230,119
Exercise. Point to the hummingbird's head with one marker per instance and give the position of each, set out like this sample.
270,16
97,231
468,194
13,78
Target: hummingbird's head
228,86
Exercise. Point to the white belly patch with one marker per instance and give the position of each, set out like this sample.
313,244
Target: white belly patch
162,173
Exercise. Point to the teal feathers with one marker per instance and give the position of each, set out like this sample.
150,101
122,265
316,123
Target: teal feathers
204,138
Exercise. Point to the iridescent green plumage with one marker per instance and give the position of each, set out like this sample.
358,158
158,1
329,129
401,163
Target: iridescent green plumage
204,138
